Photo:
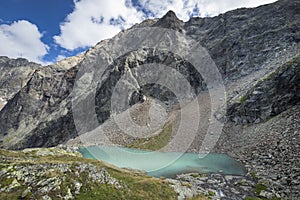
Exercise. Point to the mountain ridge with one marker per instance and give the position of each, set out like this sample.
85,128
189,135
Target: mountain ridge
233,65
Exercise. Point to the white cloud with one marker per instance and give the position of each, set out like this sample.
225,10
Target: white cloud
22,39
90,21
60,57
216,7
184,8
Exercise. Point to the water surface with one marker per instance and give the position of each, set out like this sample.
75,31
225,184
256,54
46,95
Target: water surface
166,164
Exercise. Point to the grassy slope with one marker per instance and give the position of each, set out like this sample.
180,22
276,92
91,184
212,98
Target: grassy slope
136,185
156,142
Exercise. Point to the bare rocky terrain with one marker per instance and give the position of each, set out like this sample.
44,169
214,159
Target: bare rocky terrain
15,73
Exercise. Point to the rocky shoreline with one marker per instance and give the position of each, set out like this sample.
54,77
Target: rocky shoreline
215,186
262,181
55,173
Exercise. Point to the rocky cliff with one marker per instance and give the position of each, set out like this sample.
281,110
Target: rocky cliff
272,95
38,107
245,44
14,75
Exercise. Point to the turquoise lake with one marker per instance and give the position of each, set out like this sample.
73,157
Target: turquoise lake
164,164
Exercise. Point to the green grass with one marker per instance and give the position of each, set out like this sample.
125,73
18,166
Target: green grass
293,62
253,175
197,175
252,198
135,185
211,194
257,198
154,143
243,99
143,187
259,187
198,197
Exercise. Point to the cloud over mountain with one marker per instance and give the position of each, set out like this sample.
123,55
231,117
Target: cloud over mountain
90,21
22,39
94,20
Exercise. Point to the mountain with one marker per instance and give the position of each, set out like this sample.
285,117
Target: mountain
244,44
15,73
255,51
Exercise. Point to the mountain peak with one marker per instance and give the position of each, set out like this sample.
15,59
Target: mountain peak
170,14
170,20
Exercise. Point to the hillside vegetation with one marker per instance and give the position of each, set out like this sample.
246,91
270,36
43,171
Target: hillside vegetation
58,174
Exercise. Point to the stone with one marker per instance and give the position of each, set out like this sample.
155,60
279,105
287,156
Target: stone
77,187
266,194
68,195
233,190
25,193
14,184
46,197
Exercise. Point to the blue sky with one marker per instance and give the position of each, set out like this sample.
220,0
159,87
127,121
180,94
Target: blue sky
46,31
45,14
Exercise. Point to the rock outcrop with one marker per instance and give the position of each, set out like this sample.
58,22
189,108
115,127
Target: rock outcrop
272,95
14,75
57,173
30,117
246,40
170,21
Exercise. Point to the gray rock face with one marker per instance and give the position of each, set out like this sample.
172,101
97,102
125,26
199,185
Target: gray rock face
38,114
245,40
272,95
125,66
170,21
241,42
14,75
